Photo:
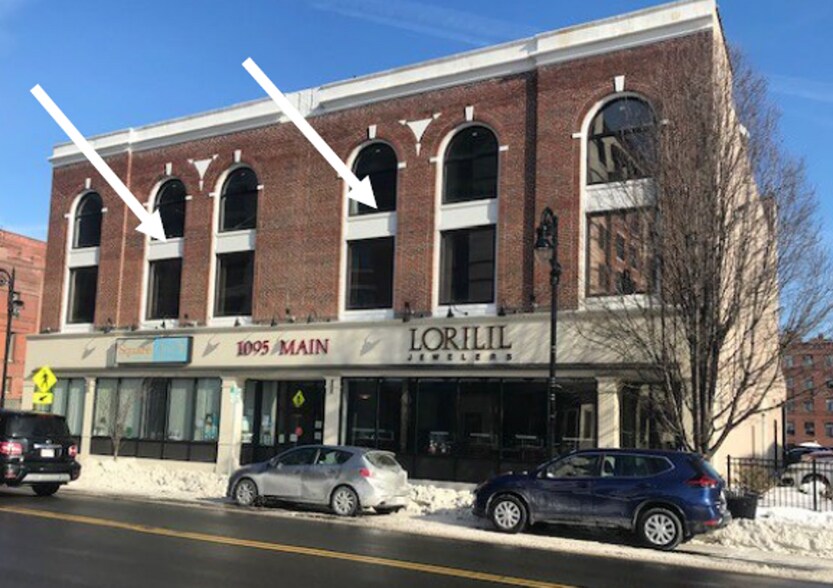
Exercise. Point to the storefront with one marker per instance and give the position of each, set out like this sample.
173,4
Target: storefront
456,399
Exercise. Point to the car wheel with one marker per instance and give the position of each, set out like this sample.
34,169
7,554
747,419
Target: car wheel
245,492
382,510
509,514
345,501
45,489
660,528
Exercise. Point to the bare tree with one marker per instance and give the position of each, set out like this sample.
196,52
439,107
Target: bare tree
717,264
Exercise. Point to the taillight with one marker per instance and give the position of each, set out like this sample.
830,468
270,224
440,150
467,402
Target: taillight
703,482
365,473
11,448
72,451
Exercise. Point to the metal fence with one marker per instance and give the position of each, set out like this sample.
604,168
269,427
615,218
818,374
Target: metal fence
804,484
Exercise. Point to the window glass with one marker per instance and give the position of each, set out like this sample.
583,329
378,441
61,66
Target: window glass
574,466
808,406
809,428
641,424
163,288
88,217
467,260
620,145
248,426
330,457
479,418
68,401
235,278
238,203
378,161
268,413
171,206
610,271
154,406
633,466
829,404
34,425
129,412
105,400
370,273
436,410
790,428
575,409
361,413
83,283
524,420
180,409
828,429
302,456
207,410
470,166
384,461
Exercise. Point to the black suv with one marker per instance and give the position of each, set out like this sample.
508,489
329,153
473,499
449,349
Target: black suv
36,449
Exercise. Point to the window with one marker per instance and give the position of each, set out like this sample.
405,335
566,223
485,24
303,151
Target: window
788,361
791,406
377,160
479,418
88,216
828,360
525,420
633,466
467,266
808,406
808,384
808,360
828,430
374,413
620,142
68,401
436,412
235,278
83,282
180,409
790,382
154,408
790,428
298,457
332,457
238,202
370,273
12,345
470,166
207,410
574,466
171,206
609,273
829,404
809,428
163,288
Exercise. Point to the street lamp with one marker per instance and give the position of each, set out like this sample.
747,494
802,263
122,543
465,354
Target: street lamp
13,305
546,245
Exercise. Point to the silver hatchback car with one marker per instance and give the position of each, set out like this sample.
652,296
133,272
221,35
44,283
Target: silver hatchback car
347,479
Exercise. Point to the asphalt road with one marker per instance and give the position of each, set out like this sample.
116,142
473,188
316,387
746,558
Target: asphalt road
72,540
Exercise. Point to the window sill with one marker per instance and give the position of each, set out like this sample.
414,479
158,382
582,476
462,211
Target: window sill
369,226
151,324
228,321
617,302
375,314
468,214
86,257
78,328
619,195
466,310
233,241
169,249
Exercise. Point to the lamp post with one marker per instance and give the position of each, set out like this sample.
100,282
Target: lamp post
13,304
546,245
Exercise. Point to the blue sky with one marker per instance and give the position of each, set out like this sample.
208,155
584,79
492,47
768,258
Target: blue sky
115,64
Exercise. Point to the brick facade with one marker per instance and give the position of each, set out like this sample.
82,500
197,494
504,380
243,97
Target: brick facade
808,370
27,257
299,232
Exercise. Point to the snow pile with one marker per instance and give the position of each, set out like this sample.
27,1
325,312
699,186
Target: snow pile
779,529
129,477
439,503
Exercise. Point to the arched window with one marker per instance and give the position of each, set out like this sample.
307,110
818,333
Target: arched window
171,206
87,231
238,202
471,166
377,160
620,144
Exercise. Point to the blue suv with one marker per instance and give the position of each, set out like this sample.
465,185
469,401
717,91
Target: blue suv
665,497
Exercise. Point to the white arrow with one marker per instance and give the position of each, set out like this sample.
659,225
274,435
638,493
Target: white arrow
360,190
150,224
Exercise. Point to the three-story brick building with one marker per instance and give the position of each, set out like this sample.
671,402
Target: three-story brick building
278,312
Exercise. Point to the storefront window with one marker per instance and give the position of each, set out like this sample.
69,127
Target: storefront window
249,399
129,412
436,411
105,400
575,412
207,410
269,413
479,418
68,401
525,420
180,409
640,421
155,405
374,413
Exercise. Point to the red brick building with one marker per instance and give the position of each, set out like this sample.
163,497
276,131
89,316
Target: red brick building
298,317
27,257
808,369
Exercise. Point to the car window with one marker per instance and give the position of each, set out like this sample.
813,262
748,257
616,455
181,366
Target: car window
303,456
633,466
35,425
332,457
574,466
384,461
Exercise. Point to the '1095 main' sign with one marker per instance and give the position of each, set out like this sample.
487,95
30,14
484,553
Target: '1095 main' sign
283,347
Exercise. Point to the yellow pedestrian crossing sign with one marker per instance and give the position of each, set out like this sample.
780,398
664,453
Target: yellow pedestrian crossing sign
43,398
298,400
44,379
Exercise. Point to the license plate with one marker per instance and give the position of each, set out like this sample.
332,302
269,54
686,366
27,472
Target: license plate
47,453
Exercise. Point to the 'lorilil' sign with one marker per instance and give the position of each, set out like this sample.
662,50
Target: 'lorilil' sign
465,344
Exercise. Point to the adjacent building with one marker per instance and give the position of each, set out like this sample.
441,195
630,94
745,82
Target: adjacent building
279,312
27,258
808,413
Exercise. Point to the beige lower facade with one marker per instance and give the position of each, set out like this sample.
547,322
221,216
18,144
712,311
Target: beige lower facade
456,398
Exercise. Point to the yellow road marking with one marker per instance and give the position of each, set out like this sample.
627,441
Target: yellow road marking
283,548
